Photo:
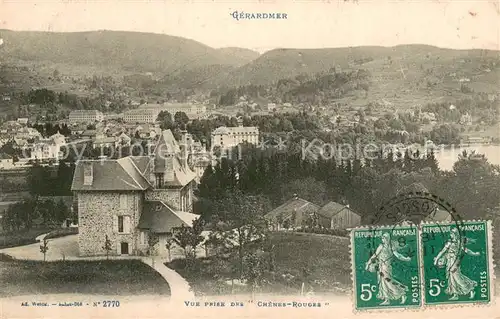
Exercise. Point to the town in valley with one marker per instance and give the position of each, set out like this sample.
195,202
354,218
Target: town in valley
233,169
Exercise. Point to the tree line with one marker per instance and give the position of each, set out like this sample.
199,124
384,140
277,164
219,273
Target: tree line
363,184
317,89
42,181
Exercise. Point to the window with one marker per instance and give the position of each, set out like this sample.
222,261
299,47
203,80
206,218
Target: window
159,180
123,201
124,224
120,224
144,238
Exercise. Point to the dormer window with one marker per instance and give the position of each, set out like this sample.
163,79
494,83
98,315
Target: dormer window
159,180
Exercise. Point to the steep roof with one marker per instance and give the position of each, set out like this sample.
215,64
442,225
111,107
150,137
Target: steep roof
110,175
293,205
168,140
223,130
332,208
132,172
105,140
158,217
167,144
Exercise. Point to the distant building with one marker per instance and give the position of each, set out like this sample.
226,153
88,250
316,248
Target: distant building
336,216
6,161
292,214
48,149
141,115
431,117
88,134
85,116
466,119
191,110
131,199
468,140
23,120
104,142
271,106
28,133
227,137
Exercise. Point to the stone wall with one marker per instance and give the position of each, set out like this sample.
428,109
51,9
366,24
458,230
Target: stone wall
97,213
171,197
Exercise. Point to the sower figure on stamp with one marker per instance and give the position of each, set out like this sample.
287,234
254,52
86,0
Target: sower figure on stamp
450,256
388,287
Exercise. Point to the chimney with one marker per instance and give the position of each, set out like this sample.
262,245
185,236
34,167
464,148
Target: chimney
240,121
88,173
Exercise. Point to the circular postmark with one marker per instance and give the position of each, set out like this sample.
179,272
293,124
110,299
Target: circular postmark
408,211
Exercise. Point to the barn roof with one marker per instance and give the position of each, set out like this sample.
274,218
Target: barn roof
332,208
296,204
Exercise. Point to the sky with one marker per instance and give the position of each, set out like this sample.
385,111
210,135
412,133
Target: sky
458,24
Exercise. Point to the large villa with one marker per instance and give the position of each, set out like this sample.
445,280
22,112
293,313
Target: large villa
128,199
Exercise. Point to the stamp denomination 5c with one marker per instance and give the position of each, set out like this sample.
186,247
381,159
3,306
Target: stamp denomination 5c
386,267
457,263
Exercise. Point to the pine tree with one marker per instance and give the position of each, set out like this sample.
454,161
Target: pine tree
432,162
44,248
107,246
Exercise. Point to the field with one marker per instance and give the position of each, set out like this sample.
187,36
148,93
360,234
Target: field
325,257
113,277
319,261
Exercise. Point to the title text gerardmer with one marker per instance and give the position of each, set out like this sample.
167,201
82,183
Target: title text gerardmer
249,16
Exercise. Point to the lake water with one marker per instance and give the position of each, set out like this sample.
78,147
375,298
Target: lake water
447,157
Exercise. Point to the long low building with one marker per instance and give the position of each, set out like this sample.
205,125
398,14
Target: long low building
191,110
141,115
85,116
227,137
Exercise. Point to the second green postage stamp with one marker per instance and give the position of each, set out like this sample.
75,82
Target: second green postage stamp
457,263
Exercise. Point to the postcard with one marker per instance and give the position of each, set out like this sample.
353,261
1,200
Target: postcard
249,159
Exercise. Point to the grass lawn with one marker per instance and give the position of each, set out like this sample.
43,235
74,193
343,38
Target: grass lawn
324,258
106,277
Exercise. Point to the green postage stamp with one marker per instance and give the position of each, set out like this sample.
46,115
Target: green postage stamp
386,267
457,263
408,266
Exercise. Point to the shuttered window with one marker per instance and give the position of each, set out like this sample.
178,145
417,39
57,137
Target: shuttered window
126,224
144,238
123,201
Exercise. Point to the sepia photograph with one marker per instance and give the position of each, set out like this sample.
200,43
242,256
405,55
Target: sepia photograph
249,159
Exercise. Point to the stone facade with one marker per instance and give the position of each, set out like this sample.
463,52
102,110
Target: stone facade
98,216
170,196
